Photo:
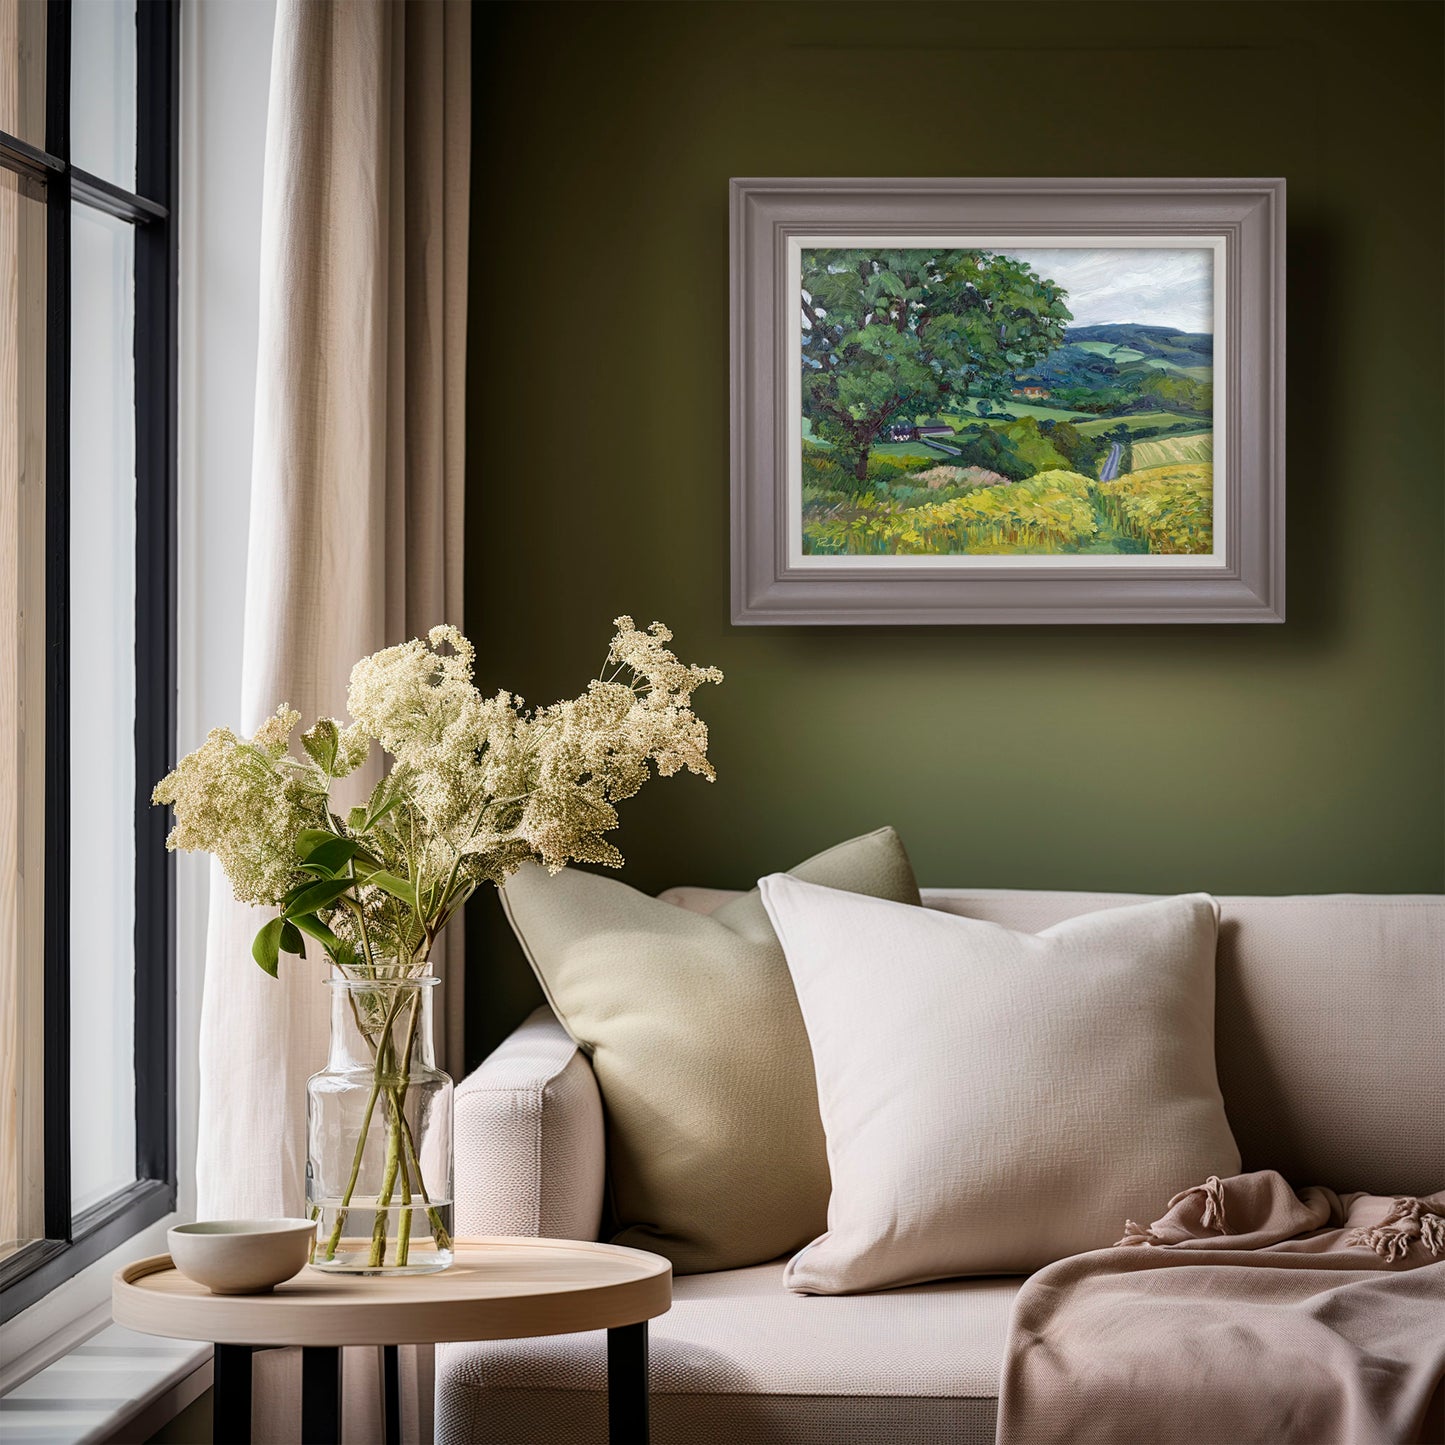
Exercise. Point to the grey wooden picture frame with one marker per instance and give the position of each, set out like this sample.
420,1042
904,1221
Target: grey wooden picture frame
1245,218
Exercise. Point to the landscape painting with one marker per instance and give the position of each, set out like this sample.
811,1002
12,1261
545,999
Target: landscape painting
994,400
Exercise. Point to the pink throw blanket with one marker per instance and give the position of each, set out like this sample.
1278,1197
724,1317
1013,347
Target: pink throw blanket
1249,1312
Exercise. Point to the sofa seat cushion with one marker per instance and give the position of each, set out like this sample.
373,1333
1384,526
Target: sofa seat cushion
741,1359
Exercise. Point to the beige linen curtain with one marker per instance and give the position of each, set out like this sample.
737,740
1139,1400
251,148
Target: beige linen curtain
356,503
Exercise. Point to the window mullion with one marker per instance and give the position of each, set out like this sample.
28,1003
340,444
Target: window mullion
156,391
57,630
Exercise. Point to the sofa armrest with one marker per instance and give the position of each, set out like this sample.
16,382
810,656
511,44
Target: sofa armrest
530,1150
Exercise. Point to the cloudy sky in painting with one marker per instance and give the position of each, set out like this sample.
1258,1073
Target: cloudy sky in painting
1152,287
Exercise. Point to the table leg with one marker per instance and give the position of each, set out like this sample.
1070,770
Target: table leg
320,1395
391,1393
627,1385
231,1394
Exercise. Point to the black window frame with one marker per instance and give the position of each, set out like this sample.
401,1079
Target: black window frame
73,1241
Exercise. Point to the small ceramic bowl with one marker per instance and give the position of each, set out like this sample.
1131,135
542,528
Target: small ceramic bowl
241,1256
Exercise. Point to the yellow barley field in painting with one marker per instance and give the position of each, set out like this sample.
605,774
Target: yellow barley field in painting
1169,509
1166,451
1048,513
1160,510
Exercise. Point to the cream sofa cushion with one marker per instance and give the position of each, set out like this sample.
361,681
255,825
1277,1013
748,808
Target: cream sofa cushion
738,1360
714,1147
993,1100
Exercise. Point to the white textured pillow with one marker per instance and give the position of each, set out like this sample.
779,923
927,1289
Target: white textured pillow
992,1100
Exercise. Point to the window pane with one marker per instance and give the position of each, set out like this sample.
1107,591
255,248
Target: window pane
22,70
22,711
102,89
102,707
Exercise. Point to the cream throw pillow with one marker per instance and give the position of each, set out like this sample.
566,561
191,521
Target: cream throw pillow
715,1151
992,1100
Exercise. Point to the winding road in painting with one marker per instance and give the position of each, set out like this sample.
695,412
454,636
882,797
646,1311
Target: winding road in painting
939,447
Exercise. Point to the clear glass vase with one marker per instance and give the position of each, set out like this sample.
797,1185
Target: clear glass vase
379,1134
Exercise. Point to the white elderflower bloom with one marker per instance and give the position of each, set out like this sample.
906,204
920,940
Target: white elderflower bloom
232,799
476,786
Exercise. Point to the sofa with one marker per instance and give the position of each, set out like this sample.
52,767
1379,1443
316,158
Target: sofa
1330,1043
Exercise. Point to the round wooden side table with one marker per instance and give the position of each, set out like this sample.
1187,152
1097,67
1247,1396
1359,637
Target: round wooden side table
496,1289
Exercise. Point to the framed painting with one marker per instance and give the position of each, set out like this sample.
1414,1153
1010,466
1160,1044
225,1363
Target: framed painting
1007,401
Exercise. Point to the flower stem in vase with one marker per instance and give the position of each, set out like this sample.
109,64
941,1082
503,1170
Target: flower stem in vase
440,1233
388,1184
335,1237
403,1232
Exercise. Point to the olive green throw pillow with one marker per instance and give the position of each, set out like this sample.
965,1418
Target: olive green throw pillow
716,1157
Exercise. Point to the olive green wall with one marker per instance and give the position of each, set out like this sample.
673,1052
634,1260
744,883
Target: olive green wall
1305,757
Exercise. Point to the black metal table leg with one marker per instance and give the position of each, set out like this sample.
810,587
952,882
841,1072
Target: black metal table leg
391,1393
627,1385
231,1394
320,1395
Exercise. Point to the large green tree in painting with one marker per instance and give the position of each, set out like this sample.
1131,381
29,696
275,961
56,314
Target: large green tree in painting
890,335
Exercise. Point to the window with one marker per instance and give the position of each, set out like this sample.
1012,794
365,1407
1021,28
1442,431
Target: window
88,100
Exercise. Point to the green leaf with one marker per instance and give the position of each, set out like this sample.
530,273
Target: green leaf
292,894
389,806
342,952
266,947
308,840
310,923
389,792
291,940
320,740
504,817
317,895
330,857
385,796
397,887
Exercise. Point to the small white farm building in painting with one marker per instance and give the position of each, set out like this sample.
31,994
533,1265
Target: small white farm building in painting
901,432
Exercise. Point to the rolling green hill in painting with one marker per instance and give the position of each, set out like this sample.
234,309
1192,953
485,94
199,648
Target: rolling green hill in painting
1118,370
1187,348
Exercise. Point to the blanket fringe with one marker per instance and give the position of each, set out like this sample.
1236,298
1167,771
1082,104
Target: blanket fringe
1137,1234
1409,1220
1213,1216
1210,1194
